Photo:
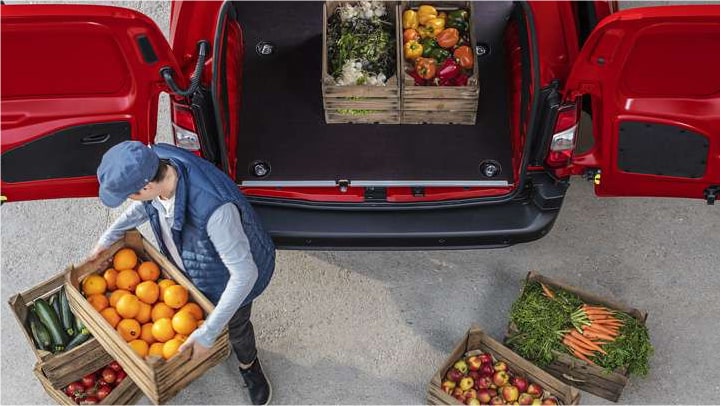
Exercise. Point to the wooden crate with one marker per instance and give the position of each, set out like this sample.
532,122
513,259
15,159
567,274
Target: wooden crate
476,339
358,104
437,104
159,379
576,372
58,369
127,393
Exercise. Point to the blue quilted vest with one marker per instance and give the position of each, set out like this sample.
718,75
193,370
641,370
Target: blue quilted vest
201,189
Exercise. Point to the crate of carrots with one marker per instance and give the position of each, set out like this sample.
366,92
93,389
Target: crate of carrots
141,308
587,341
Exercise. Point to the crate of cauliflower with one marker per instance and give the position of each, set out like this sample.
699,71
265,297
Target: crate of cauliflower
359,78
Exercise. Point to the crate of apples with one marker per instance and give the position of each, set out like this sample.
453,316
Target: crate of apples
479,379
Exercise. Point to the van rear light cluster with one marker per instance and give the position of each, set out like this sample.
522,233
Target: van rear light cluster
564,137
184,130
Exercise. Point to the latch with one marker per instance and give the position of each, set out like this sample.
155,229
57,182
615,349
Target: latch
418,191
375,194
343,185
711,193
594,175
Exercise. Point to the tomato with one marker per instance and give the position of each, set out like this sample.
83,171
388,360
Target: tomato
89,380
115,366
102,383
103,392
74,389
109,375
90,400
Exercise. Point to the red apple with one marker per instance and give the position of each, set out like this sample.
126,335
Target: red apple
474,363
461,366
470,393
525,399
458,394
448,386
500,366
484,395
550,401
500,378
536,402
487,370
520,382
454,375
473,401
474,374
466,383
484,382
497,400
534,390
509,393
486,358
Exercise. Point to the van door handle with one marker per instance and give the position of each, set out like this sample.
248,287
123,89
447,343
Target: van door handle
95,139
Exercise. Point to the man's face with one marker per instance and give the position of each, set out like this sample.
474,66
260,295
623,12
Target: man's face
149,192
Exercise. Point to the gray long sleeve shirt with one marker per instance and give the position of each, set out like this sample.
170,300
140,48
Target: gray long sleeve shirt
226,232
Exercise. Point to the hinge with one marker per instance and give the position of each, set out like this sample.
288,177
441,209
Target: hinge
375,194
711,193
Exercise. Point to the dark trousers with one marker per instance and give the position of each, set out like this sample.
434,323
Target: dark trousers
242,336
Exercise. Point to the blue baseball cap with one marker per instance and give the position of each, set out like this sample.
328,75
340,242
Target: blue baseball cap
125,169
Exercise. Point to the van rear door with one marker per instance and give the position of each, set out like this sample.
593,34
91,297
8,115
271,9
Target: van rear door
76,80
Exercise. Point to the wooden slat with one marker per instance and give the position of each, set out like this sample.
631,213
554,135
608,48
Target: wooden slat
127,393
58,368
342,97
476,339
438,117
159,379
438,104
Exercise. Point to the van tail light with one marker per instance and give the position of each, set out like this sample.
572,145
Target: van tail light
184,130
564,137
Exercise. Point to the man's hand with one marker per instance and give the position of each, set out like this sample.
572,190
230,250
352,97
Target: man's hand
198,349
95,253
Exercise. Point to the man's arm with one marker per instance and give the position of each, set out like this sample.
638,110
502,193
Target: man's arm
132,217
225,230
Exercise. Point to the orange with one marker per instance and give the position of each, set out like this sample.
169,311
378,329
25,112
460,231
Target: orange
163,284
98,301
94,284
181,337
148,292
156,350
144,313
161,310
146,333
128,306
170,348
175,296
128,280
140,347
129,329
149,271
111,316
194,309
125,259
163,330
116,295
111,277
184,323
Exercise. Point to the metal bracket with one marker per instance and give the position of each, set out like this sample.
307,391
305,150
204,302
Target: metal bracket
711,193
343,185
375,194
418,191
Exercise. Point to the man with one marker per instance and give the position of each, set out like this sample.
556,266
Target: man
203,223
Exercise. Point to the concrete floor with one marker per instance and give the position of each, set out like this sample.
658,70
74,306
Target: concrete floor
372,327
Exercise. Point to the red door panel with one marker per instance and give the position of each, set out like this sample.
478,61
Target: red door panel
76,80
653,76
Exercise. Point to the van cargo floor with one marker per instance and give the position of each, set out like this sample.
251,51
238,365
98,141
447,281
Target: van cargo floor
282,121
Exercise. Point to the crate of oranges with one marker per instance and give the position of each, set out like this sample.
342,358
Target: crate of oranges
141,308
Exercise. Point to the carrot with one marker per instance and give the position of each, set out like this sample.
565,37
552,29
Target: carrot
588,342
548,292
589,307
579,344
599,317
595,312
575,347
601,329
609,322
588,333
582,357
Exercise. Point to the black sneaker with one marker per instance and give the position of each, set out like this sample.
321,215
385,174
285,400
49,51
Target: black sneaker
259,388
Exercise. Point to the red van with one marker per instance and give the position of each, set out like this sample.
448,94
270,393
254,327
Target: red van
244,80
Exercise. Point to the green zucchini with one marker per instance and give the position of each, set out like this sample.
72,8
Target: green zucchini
80,327
66,315
47,316
77,340
55,303
39,332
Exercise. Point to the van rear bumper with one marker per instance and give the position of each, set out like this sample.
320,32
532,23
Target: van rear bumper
524,219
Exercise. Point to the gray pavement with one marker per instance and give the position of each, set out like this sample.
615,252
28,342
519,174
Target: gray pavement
372,327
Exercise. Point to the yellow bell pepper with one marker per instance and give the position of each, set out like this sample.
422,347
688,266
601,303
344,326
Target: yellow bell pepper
438,24
410,19
426,13
426,31
412,50
442,15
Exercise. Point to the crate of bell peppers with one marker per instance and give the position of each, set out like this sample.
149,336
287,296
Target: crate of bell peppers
440,73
